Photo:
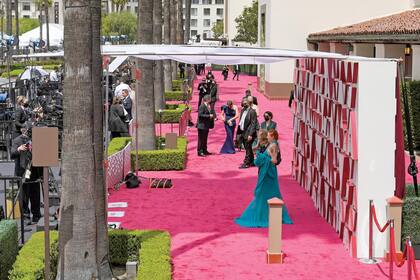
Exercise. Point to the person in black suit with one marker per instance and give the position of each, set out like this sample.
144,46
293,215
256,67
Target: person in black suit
21,115
236,72
247,130
212,86
127,103
21,153
202,90
117,119
254,99
205,122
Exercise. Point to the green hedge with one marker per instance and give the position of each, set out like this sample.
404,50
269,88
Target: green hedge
171,159
414,101
29,264
9,246
174,159
149,247
13,73
176,95
117,144
177,85
411,220
410,191
171,114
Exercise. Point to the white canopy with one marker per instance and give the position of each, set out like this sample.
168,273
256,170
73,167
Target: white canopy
56,35
116,63
216,55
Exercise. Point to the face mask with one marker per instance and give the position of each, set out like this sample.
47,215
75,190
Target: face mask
25,105
266,118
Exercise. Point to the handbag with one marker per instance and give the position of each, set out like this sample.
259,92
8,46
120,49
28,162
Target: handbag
131,180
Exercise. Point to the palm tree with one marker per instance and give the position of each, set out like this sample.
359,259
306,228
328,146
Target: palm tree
146,117
157,39
180,24
167,40
43,6
173,15
17,23
9,17
83,239
187,21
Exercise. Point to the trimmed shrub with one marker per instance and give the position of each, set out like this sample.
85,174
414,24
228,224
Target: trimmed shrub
174,159
9,246
414,103
177,85
29,264
13,73
155,256
117,144
124,246
411,221
176,95
150,248
171,114
410,191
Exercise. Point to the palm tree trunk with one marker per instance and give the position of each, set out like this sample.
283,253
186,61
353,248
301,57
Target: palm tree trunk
146,105
83,235
187,32
47,21
40,20
9,17
173,15
17,23
167,40
180,24
157,39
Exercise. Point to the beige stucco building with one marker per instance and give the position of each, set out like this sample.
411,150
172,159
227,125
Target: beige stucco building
233,9
288,27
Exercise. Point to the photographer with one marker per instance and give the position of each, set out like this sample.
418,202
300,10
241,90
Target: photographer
21,115
22,154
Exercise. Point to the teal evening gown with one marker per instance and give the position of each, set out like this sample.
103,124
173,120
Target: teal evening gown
256,214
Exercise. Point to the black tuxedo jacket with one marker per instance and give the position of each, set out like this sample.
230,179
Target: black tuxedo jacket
204,121
250,125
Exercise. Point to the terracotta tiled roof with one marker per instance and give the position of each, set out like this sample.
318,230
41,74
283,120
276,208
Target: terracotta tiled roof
407,22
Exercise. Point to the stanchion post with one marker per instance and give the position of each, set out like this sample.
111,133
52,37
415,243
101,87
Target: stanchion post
409,258
274,252
46,223
370,260
394,212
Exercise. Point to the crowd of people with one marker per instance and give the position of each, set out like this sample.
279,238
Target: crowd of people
259,140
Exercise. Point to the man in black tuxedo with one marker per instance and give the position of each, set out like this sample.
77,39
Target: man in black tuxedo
127,103
247,130
212,86
205,121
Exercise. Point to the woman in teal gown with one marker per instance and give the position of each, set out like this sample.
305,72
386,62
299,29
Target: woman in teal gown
256,214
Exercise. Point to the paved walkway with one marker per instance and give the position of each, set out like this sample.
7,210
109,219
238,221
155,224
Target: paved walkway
199,212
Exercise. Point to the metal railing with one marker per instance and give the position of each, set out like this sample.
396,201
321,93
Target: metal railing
118,165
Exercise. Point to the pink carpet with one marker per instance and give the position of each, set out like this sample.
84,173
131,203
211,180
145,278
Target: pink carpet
199,212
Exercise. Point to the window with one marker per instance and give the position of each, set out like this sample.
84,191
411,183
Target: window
206,34
196,2
220,2
206,23
26,7
194,12
128,8
219,12
136,9
26,16
206,11
193,33
193,23
207,2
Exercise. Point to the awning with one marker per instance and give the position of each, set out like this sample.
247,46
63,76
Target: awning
116,63
216,55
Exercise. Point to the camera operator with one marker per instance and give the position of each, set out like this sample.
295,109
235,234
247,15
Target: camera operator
22,154
21,115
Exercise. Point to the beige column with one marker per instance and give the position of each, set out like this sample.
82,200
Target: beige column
275,221
394,212
416,62
380,50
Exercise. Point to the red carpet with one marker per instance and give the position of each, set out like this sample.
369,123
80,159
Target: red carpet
199,211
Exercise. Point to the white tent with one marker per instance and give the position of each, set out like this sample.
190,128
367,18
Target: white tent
56,35
216,55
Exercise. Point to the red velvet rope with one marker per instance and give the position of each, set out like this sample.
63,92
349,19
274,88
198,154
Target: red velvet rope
375,219
413,262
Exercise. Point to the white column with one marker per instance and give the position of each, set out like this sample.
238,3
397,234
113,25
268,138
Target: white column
416,62
380,50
